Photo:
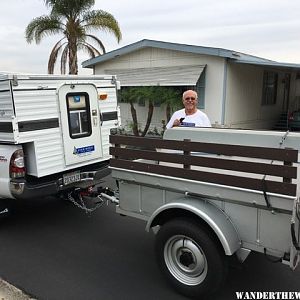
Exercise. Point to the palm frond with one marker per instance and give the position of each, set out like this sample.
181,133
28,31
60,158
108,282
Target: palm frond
42,26
92,51
99,19
53,55
69,9
97,41
64,58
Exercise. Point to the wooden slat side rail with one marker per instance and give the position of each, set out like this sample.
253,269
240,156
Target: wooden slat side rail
144,148
209,162
287,155
229,180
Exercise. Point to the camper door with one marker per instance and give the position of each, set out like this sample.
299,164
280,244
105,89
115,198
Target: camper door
80,122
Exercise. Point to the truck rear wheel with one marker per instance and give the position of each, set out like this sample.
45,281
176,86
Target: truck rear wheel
190,258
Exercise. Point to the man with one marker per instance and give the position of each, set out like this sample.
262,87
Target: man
190,115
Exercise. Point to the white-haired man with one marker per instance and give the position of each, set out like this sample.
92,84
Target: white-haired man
190,115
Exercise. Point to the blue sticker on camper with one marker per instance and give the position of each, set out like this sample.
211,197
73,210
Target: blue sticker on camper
82,150
76,99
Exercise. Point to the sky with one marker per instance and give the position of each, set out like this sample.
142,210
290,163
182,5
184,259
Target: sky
265,28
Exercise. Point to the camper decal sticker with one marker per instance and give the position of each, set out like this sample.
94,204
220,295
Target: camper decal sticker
84,150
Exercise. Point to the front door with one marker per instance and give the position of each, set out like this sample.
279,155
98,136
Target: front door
80,122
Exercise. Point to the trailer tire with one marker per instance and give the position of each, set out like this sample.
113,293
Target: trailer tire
190,258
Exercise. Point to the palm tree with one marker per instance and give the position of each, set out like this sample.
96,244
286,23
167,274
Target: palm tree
75,20
152,94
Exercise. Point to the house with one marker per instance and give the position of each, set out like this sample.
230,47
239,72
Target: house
235,89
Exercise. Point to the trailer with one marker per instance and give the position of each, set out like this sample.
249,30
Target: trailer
54,133
210,194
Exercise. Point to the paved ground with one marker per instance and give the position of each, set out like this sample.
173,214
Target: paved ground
53,251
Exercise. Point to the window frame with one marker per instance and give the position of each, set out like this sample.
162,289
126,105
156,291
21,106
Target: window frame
269,87
88,111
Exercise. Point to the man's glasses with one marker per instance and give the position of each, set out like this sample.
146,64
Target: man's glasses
190,98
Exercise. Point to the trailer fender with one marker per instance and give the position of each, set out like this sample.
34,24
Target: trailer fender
211,214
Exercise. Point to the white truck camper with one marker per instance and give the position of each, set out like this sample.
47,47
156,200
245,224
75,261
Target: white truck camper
210,194
54,133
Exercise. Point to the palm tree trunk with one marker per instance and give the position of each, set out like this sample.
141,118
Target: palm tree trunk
134,119
73,64
149,117
168,112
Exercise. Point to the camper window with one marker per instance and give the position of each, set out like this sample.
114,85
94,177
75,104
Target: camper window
79,115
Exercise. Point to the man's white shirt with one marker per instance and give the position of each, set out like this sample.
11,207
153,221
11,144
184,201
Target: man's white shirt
198,119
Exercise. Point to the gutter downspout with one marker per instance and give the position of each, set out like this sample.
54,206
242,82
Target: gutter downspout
224,92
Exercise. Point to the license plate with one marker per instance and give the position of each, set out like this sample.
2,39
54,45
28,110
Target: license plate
71,178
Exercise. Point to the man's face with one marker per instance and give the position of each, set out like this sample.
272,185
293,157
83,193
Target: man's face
190,101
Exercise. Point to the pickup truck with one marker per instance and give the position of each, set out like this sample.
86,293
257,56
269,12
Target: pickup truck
54,133
211,194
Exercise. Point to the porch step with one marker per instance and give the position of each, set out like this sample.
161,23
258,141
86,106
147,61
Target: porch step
282,123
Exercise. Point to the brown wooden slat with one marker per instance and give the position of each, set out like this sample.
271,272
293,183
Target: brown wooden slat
288,155
218,163
229,180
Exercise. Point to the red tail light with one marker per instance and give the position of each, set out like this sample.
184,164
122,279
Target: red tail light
17,165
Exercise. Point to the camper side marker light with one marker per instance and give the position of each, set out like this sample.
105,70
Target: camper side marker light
102,96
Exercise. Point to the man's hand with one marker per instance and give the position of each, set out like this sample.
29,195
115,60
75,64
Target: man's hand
176,123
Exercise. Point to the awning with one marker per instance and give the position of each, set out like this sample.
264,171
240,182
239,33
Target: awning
164,76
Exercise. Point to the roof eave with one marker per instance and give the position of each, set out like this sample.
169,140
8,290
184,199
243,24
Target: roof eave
290,66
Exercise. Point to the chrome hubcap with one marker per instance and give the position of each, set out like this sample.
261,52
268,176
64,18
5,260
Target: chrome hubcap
185,260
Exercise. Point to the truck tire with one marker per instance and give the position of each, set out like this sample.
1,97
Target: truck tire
190,258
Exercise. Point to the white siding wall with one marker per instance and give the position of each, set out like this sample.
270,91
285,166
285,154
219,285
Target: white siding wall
153,57
244,98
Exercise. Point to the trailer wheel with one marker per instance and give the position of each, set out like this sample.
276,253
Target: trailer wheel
190,258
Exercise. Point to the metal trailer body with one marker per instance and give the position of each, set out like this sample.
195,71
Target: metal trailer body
44,113
239,218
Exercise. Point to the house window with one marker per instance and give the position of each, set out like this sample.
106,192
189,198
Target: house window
269,95
79,115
